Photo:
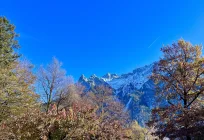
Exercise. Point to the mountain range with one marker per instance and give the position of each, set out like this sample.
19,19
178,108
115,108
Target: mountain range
135,90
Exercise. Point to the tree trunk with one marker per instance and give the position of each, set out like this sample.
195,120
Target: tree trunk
186,121
188,138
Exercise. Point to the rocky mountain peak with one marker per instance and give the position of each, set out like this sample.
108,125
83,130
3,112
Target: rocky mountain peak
83,78
109,77
93,76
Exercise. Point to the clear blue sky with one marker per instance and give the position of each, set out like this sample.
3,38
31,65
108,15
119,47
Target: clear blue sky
100,36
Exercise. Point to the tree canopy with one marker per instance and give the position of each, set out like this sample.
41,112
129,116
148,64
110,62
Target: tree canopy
179,78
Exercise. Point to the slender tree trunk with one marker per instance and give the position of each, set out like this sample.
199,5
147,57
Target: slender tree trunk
49,101
186,121
48,106
188,137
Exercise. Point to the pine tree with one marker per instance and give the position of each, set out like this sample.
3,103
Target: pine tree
7,43
16,79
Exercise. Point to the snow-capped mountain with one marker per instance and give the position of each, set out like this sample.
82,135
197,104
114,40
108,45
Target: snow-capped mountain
135,90
109,77
135,80
93,80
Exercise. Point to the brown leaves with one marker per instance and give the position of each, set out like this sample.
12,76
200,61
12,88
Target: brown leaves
179,84
78,121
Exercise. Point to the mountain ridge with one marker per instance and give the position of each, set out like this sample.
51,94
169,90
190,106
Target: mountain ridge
135,90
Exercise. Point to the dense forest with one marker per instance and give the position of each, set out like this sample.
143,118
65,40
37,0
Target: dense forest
48,105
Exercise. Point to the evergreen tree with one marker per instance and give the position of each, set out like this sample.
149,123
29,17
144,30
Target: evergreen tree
16,79
8,43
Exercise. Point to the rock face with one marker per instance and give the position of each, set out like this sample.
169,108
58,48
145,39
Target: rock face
135,90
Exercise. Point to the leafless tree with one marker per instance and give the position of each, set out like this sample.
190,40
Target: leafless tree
51,79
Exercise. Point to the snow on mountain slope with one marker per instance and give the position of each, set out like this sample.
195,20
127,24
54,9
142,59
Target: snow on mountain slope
91,81
109,77
137,78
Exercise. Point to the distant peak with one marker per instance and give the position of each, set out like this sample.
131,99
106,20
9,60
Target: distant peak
144,68
82,77
108,77
93,76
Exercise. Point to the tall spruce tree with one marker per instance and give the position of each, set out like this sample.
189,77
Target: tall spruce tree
179,78
16,79
7,43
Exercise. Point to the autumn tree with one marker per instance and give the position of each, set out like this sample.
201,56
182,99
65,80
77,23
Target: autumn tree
16,78
108,106
179,78
136,132
112,117
101,96
69,94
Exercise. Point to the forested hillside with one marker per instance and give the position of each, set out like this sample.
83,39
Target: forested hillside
161,100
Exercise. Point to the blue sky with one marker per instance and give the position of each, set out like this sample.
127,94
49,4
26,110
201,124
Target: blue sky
100,36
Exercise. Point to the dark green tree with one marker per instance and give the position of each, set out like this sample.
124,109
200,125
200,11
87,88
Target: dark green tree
8,43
